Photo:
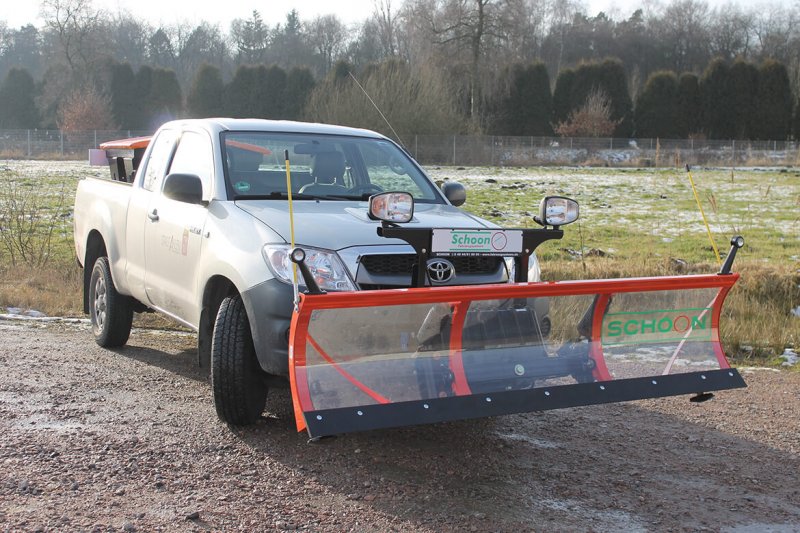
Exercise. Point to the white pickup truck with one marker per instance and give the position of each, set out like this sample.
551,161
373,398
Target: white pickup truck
194,223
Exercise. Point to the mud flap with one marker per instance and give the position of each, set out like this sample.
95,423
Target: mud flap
378,359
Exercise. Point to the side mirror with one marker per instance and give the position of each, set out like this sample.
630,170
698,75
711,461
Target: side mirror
455,193
557,211
187,188
393,207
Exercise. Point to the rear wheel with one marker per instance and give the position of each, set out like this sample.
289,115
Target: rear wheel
111,312
236,377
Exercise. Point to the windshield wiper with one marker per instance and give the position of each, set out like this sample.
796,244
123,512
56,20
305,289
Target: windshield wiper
278,195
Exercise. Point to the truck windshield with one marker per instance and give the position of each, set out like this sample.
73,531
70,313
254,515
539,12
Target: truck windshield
322,167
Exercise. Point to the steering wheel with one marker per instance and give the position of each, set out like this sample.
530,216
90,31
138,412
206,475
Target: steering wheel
365,188
396,166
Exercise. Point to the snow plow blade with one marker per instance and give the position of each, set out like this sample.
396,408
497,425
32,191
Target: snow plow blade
379,359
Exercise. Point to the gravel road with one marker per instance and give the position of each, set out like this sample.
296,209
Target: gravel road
95,440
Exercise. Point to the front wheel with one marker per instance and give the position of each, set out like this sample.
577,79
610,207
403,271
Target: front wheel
111,312
236,377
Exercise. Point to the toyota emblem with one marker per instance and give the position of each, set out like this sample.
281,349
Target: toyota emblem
440,270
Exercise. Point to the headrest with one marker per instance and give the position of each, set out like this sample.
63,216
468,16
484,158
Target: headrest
328,166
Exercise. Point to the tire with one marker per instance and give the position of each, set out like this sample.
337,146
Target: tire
240,393
111,312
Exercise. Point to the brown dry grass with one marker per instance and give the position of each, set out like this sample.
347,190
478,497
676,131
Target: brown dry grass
54,289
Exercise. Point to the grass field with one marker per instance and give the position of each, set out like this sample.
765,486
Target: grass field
634,222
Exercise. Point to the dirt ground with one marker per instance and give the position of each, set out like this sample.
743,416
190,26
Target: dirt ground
95,440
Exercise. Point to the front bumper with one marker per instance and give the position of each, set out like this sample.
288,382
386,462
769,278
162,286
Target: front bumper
269,309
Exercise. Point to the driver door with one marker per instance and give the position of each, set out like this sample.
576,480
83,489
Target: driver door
175,234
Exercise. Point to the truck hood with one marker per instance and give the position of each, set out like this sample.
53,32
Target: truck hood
335,225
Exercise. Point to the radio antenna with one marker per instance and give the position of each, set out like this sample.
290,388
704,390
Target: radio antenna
376,107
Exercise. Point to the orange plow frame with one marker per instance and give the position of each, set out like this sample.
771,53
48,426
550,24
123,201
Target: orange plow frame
466,404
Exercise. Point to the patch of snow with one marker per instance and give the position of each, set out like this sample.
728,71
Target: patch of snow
30,313
15,313
796,312
791,358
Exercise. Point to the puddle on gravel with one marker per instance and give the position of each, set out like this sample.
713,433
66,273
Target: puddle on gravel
534,442
601,519
761,528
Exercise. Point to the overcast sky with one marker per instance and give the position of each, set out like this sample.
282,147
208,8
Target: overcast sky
223,12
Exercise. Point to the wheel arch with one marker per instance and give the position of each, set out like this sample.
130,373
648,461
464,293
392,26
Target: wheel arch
95,248
217,288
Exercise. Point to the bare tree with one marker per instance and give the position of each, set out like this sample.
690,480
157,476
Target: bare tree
385,22
684,31
328,35
592,119
731,32
79,30
466,27
86,109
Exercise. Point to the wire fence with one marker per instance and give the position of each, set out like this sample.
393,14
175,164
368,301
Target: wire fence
477,150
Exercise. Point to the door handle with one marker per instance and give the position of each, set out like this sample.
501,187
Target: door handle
153,215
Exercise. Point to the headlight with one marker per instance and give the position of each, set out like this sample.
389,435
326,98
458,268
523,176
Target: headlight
324,265
534,272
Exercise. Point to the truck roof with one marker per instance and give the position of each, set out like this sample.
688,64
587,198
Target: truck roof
217,125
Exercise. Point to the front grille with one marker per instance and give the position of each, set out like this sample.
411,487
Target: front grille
395,264
389,264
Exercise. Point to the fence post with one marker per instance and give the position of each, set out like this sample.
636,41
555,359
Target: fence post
95,138
416,146
29,143
454,150
733,153
61,136
611,143
491,153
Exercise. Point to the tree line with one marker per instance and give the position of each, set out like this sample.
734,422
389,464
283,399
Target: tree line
433,66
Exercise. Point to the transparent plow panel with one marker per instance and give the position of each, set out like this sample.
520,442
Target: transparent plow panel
660,333
363,356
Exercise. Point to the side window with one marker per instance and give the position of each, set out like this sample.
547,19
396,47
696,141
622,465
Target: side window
194,156
159,157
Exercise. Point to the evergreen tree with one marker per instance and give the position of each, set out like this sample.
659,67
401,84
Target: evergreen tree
614,81
609,78
143,83
743,84
717,98
341,71
773,103
527,105
796,126
165,96
657,107
689,105
244,93
17,107
205,98
562,95
299,85
126,102
273,104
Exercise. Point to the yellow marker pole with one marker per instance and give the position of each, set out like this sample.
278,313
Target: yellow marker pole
291,227
705,221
